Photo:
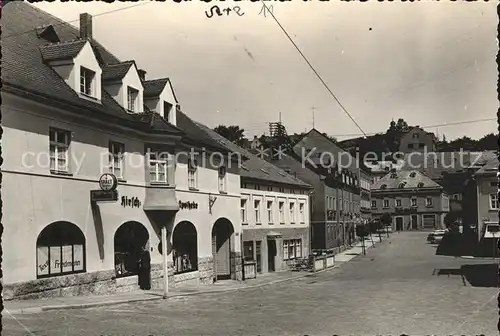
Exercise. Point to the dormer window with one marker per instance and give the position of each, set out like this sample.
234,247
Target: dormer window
87,81
383,186
132,95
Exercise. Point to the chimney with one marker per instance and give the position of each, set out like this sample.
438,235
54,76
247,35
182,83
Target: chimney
142,74
85,26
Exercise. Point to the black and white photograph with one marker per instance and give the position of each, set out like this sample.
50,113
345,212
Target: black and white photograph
249,167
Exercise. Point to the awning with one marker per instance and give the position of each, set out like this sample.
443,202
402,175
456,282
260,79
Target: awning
160,199
274,235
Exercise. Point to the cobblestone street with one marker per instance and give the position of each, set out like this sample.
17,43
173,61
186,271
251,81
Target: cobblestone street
400,286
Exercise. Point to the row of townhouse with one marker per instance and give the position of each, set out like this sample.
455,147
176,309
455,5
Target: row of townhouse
341,196
73,111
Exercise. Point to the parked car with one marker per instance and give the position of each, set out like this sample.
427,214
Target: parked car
436,236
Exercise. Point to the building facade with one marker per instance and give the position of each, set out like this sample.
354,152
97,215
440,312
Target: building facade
365,182
414,201
274,211
335,202
417,140
71,112
487,197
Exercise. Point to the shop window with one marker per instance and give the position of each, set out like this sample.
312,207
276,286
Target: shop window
248,250
292,249
60,250
185,248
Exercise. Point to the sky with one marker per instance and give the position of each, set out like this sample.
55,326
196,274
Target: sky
430,63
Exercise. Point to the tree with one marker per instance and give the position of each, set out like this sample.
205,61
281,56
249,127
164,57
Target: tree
331,138
394,133
232,133
386,219
464,143
450,219
488,142
376,227
362,231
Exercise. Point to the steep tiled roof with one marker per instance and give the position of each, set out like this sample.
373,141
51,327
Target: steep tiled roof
491,167
435,164
153,88
195,135
255,167
411,179
116,71
62,50
321,145
24,69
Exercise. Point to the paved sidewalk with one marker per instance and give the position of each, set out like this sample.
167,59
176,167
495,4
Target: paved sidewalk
73,302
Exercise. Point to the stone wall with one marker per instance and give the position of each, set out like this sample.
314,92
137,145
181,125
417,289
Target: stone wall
105,282
206,268
236,266
95,283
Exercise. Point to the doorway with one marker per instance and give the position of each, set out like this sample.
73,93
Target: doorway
414,222
271,255
222,233
399,223
129,241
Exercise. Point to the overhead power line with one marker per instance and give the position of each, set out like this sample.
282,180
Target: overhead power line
428,126
62,23
312,68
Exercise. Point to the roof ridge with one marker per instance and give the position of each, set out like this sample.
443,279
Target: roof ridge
156,80
119,63
54,44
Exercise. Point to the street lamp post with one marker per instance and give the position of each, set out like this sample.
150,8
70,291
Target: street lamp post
165,260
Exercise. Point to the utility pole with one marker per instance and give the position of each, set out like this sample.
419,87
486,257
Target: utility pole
165,260
313,109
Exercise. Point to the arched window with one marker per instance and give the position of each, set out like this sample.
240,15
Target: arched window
60,250
402,185
383,186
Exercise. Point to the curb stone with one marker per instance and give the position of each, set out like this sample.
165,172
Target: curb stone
35,310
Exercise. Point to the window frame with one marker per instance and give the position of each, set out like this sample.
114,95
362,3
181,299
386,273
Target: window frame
302,212
270,217
291,208
192,173
56,147
256,207
119,156
494,198
386,201
221,175
87,82
132,99
157,162
281,211
243,210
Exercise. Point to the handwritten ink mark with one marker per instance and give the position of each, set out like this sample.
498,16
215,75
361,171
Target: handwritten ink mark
219,12
266,9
